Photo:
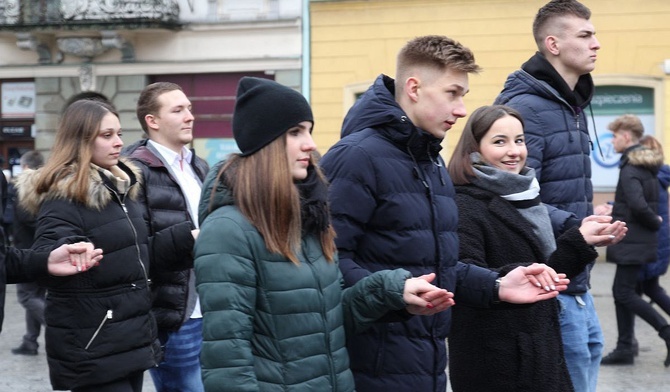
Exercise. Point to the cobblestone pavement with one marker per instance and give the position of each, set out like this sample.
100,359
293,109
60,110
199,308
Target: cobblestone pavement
30,374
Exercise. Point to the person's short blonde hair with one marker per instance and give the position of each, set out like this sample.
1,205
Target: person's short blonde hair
628,122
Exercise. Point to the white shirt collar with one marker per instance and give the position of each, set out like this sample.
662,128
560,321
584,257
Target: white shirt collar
172,157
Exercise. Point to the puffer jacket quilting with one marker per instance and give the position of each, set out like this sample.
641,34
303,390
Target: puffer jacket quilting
98,323
392,204
166,206
269,324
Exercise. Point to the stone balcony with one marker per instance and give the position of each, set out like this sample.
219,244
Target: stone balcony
76,15
83,28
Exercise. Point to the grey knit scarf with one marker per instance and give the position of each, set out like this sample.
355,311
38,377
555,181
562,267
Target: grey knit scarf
523,192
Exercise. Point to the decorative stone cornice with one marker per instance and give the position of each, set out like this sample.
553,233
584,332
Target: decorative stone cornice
9,11
112,39
27,41
84,47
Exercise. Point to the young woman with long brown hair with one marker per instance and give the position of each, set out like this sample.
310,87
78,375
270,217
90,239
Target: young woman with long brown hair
100,335
275,315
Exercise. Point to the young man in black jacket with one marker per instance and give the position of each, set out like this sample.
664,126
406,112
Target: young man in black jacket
173,177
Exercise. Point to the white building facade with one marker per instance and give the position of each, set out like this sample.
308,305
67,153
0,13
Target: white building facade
51,50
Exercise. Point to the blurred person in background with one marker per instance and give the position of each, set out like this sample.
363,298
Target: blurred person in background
636,202
31,295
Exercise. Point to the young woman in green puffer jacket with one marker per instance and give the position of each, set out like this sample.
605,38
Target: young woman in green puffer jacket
275,314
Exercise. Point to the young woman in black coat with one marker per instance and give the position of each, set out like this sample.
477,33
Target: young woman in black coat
503,224
100,335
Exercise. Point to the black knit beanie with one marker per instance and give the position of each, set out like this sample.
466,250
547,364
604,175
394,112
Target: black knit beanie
265,110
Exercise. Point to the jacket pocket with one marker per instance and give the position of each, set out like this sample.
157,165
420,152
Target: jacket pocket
108,316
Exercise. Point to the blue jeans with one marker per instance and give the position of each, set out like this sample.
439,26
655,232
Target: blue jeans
180,369
582,340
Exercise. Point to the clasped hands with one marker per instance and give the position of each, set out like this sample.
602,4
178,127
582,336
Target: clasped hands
70,259
529,284
422,298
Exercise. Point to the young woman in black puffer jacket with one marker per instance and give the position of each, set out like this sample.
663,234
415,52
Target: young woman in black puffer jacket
100,335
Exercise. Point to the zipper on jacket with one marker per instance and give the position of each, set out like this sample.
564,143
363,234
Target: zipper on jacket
130,222
437,166
324,314
139,260
137,246
139,254
108,316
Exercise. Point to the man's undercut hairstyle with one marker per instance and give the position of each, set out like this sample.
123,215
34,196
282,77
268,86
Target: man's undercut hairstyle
553,10
148,103
436,52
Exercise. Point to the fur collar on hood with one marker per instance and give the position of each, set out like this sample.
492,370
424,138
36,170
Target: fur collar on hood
98,194
639,155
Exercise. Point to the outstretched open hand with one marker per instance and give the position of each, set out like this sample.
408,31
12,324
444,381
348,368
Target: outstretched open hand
598,231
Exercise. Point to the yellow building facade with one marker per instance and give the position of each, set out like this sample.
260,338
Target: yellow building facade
352,42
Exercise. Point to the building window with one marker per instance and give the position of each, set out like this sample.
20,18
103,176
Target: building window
613,97
352,92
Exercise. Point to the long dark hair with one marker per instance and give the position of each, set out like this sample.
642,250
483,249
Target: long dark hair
264,191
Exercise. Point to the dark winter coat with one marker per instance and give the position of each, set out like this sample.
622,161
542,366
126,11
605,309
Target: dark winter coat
636,203
660,266
392,207
166,206
272,325
99,326
558,141
509,347
23,226
19,266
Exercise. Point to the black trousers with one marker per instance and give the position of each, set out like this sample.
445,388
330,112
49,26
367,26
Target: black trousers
652,289
628,303
132,383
